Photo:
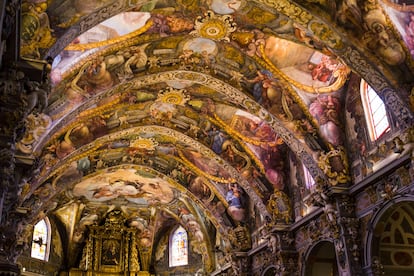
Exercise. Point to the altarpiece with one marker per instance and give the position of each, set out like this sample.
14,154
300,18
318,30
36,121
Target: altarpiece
111,249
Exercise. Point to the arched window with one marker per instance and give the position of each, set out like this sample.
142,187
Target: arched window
306,205
178,247
41,240
375,112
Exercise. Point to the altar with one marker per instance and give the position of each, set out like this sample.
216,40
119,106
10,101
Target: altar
111,249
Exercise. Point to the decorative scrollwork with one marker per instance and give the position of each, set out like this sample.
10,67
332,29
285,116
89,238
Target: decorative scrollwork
335,165
279,206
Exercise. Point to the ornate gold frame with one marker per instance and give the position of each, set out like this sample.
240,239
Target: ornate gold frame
111,248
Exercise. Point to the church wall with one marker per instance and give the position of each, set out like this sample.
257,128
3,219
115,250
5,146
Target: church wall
381,171
382,190
366,156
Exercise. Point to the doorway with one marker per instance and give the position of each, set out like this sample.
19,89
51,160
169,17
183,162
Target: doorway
322,260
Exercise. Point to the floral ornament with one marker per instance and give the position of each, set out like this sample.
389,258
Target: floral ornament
36,33
215,27
36,126
279,206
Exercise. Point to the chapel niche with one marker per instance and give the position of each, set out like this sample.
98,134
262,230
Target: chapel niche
110,249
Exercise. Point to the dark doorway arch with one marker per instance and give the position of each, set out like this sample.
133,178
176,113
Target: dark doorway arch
269,271
392,243
321,260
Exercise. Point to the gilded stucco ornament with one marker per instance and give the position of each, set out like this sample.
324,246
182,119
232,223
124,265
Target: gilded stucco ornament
335,165
331,215
279,206
36,126
36,33
326,34
376,266
380,37
304,18
240,238
173,96
165,106
289,9
399,108
148,144
215,27
388,190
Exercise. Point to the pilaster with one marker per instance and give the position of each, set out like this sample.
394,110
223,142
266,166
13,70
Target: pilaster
340,211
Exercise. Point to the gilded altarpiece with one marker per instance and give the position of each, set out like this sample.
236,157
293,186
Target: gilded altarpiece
111,249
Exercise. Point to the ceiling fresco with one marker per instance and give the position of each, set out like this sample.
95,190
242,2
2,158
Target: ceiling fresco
403,18
188,111
139,187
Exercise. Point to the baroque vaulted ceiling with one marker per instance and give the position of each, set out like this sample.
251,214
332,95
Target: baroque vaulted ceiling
170,108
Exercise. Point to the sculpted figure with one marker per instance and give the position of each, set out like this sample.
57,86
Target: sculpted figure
98,76
379,38
37,96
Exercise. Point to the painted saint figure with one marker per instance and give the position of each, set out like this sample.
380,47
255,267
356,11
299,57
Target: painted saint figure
326,109
110,254
218,138
235,200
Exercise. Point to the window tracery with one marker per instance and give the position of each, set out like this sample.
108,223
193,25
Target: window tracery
397,239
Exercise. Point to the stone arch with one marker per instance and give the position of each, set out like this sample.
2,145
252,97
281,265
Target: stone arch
397,211
269,271
320,259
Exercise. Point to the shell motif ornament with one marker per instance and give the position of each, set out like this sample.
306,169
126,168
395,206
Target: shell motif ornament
173,96
214,27
165,106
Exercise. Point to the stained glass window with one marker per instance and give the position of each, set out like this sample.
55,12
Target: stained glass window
179,247
375,112
40,242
